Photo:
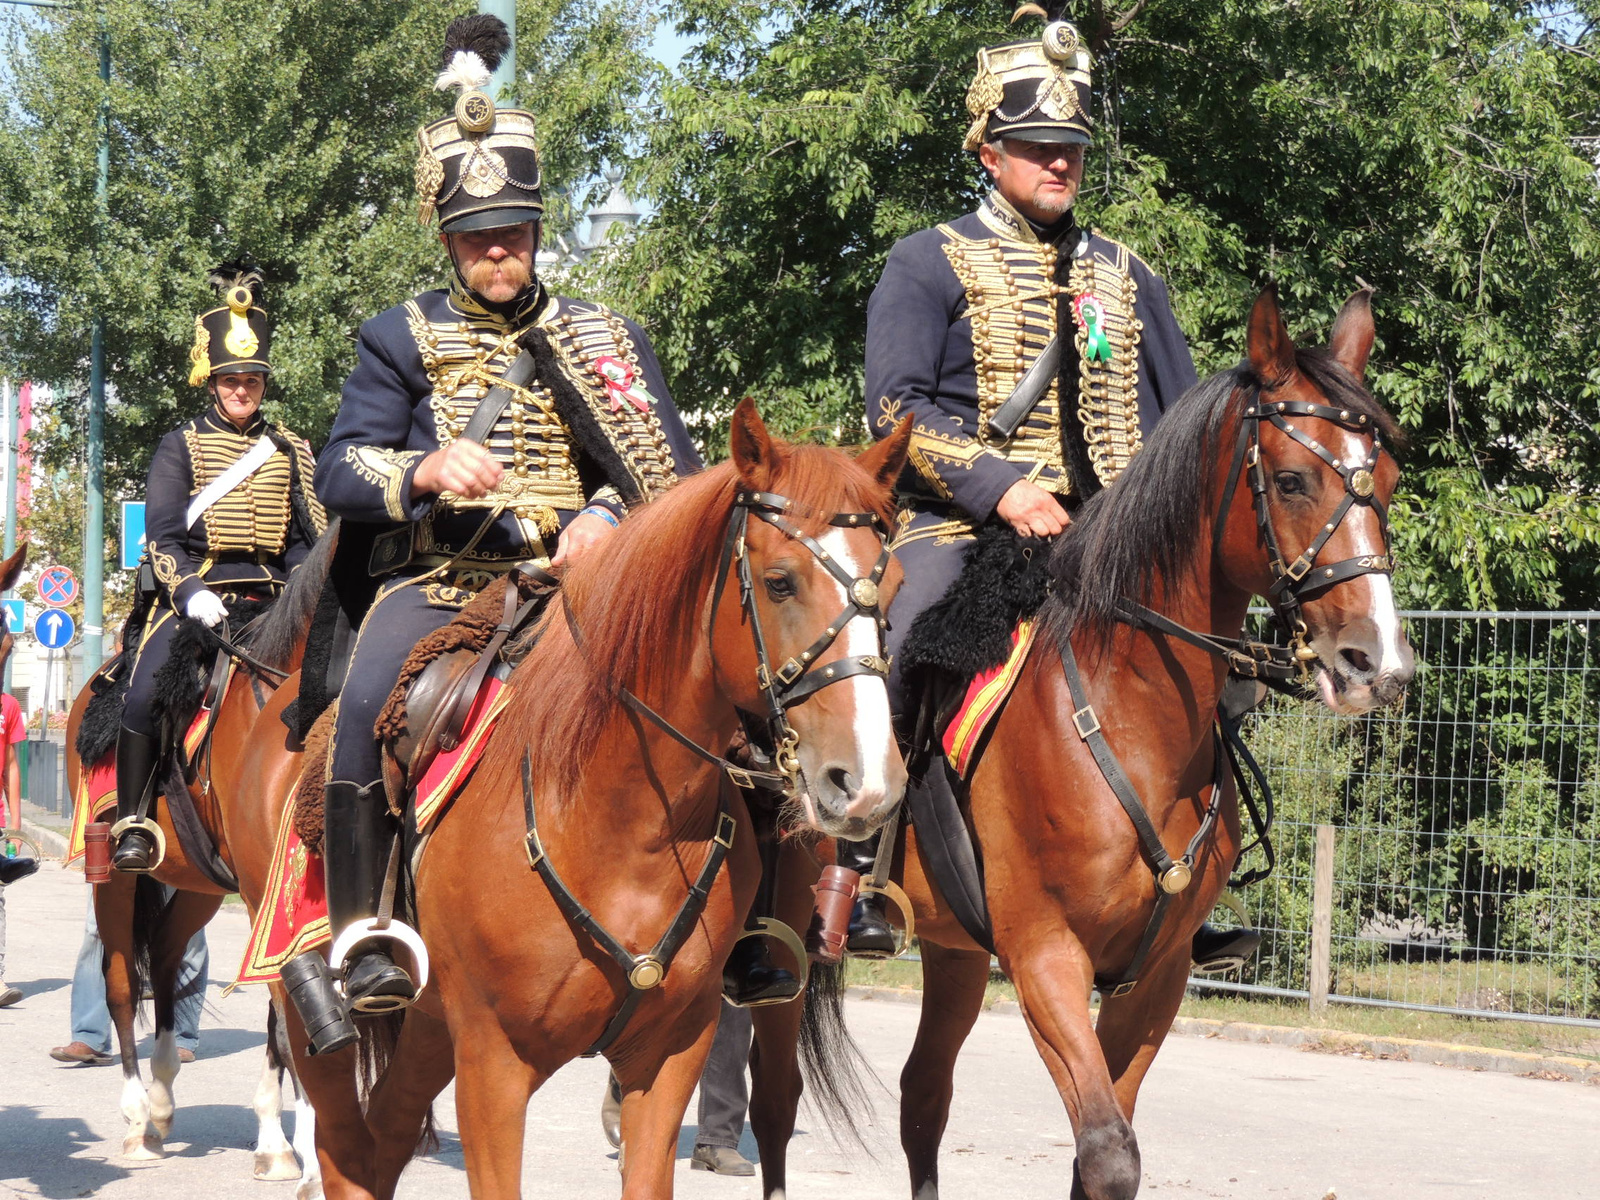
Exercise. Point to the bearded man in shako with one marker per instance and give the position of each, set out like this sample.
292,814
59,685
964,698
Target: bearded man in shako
1034,355
584,428
229,512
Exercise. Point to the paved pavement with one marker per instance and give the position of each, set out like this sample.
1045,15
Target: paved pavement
1217,1119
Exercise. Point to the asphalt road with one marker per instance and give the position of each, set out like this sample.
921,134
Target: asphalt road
1217,1119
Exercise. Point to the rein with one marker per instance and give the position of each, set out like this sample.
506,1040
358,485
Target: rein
789,685
1281,666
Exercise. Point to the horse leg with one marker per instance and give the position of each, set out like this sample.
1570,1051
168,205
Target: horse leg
334,1142
493,1085
653,1106
953,983
399,1108
1132,1027
185,915
305,1117
1053,983
113,914
775,1087
274,1156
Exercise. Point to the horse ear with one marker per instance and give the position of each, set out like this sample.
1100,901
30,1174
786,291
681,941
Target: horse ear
12,567
755,454
1271,349
884,459
1351,341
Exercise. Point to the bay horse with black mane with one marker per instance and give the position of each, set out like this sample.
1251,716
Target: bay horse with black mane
570,898
1149,584
144,932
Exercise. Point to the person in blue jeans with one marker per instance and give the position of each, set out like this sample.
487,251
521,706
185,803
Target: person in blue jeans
91,1019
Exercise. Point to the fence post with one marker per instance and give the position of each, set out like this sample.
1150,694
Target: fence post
1321,919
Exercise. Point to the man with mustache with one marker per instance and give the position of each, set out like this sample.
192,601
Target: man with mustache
573,425
1035,356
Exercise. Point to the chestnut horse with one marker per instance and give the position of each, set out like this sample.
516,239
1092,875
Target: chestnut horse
144,932
627,815
1070,891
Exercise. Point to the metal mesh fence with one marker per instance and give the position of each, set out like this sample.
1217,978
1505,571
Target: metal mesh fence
1467,826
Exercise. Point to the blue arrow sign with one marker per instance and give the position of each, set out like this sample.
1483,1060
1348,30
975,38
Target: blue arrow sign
16,617
132,533
54,628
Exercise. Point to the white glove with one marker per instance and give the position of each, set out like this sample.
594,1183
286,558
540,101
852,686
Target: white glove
207,607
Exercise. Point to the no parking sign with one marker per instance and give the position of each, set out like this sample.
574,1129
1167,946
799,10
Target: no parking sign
57,587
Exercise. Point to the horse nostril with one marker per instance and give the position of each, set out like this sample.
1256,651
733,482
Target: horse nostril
841,781
1357,659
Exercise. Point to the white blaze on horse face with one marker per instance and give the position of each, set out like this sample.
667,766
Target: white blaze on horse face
875,746
1367,529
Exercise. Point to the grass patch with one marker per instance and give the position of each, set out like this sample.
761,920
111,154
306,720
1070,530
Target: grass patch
1533,1038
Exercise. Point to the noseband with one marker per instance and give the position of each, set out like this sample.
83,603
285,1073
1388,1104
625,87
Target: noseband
795,681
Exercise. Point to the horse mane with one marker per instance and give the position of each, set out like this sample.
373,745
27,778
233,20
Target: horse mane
1144,530
282,630
639,601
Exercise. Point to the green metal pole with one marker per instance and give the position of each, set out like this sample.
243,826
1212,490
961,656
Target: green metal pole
504,86
13,429
94,534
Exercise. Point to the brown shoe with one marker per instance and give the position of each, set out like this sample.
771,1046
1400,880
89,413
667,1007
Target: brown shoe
720,1160
81,1052
185,1055
8,995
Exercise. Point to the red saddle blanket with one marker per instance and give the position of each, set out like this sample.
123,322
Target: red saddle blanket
294,915
96,792
985,697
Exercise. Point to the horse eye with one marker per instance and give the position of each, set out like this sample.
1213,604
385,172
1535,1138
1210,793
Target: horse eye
1289,483
779,585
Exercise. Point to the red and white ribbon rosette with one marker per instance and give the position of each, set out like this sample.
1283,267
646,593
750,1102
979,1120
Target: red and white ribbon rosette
619,378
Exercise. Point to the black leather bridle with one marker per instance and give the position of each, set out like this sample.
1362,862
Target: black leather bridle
792,683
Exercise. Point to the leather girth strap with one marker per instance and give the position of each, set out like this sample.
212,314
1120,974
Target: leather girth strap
642,972
946,843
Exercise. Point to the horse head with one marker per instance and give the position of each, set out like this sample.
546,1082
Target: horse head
820,579
1314,450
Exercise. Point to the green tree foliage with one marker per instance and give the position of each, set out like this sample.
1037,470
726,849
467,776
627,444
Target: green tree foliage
280,129
1443,152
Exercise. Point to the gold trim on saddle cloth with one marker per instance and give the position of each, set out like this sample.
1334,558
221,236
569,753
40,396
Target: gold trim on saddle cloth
291,864
985,697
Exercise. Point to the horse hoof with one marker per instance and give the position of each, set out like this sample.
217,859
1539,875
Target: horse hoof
311,1189
273,1167
142,1148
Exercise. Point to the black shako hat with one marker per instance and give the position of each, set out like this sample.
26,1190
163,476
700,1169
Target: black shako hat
1035,90
235,338
478,168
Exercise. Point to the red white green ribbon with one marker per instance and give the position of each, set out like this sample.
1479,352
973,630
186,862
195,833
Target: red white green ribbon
1091,315
619,378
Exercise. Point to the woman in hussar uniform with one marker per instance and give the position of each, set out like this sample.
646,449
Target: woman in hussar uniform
229,512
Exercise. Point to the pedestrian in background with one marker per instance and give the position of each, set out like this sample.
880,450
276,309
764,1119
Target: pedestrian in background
12,730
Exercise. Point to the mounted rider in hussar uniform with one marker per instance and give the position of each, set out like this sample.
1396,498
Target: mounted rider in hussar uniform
486,425
1034,355
229,512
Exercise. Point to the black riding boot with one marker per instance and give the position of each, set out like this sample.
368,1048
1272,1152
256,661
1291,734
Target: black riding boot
1216,950
750,978
358,834
137,757
870,935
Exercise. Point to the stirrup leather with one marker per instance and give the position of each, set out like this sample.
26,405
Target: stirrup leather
146,826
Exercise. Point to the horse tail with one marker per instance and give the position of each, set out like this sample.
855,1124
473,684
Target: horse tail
151,906
377,1037
832,1064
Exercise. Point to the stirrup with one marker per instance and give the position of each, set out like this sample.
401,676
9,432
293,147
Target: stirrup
779,932
367,930
151,830
895,895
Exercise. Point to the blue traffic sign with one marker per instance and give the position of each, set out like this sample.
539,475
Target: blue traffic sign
54,628
16,617
57,587
132,533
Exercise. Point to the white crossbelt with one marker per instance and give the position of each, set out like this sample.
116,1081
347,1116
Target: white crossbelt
241,470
